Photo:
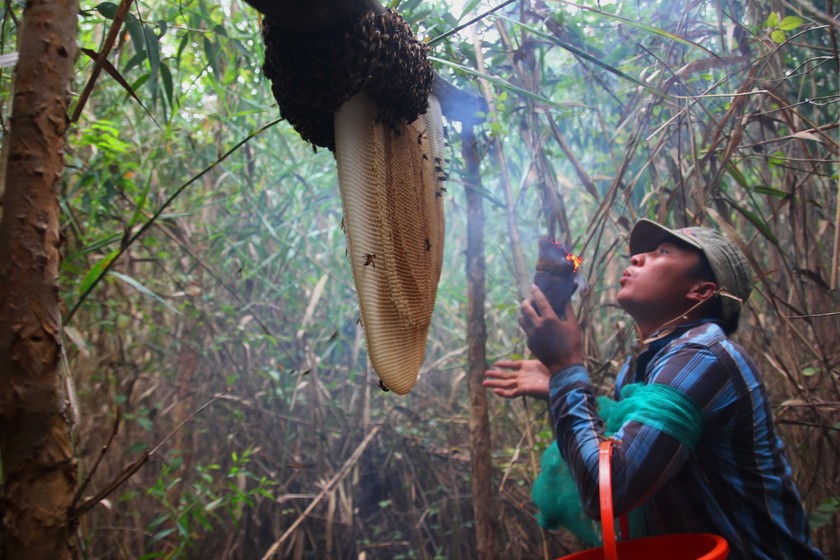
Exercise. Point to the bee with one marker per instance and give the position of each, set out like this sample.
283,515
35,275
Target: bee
383,386
369,259
428,244
420,137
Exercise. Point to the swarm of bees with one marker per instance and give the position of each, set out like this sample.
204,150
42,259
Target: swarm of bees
364,92
312,75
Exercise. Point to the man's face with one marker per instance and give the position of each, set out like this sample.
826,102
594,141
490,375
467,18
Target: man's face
655,287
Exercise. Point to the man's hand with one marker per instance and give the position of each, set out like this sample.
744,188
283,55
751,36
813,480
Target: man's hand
555,341
518,378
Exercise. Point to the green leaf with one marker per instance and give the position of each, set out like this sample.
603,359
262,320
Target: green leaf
135,29
168,87
468,7
777,158
756,221
824,513
101,243
771,192
790,23
161,535
142,289
736,174
95,273
778,36
773,20
107,9
153,50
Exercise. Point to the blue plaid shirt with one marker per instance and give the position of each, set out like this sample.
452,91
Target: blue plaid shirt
737,481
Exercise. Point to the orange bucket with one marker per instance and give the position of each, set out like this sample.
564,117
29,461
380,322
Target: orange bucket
684,546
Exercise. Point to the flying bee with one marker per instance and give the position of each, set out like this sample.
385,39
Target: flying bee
369,259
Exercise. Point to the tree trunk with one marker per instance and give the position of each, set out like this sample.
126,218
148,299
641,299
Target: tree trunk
38,468
484,505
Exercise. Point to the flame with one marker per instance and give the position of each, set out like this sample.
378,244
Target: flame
575,260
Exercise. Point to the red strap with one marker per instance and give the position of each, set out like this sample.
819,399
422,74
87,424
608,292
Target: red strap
605,488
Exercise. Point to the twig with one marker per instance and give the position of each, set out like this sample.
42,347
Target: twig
128,472
815,315
328,488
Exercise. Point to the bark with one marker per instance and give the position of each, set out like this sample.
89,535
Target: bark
484,505
35,446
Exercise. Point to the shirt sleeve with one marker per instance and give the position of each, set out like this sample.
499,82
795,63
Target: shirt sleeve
645,458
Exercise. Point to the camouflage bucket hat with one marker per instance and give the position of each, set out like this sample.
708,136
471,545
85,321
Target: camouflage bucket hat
728,263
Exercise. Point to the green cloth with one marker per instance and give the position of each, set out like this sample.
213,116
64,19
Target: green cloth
659,406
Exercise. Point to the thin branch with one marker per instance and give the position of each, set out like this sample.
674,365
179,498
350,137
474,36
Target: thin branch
128,472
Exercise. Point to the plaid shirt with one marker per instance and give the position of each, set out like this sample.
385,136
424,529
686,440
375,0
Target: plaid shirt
737,482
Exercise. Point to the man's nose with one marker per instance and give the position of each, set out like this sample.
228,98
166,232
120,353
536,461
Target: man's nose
637,260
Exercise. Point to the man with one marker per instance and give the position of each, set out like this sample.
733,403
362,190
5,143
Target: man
705,458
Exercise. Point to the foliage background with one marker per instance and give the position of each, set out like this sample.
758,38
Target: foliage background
210,317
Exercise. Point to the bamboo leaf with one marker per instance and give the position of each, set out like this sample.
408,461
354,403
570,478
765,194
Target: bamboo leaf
771,192
468,7
115,74
644,27
142,289
95,273
153,50
135,30
755,220
586,56
507,85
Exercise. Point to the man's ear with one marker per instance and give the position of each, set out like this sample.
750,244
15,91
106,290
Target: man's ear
702,291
